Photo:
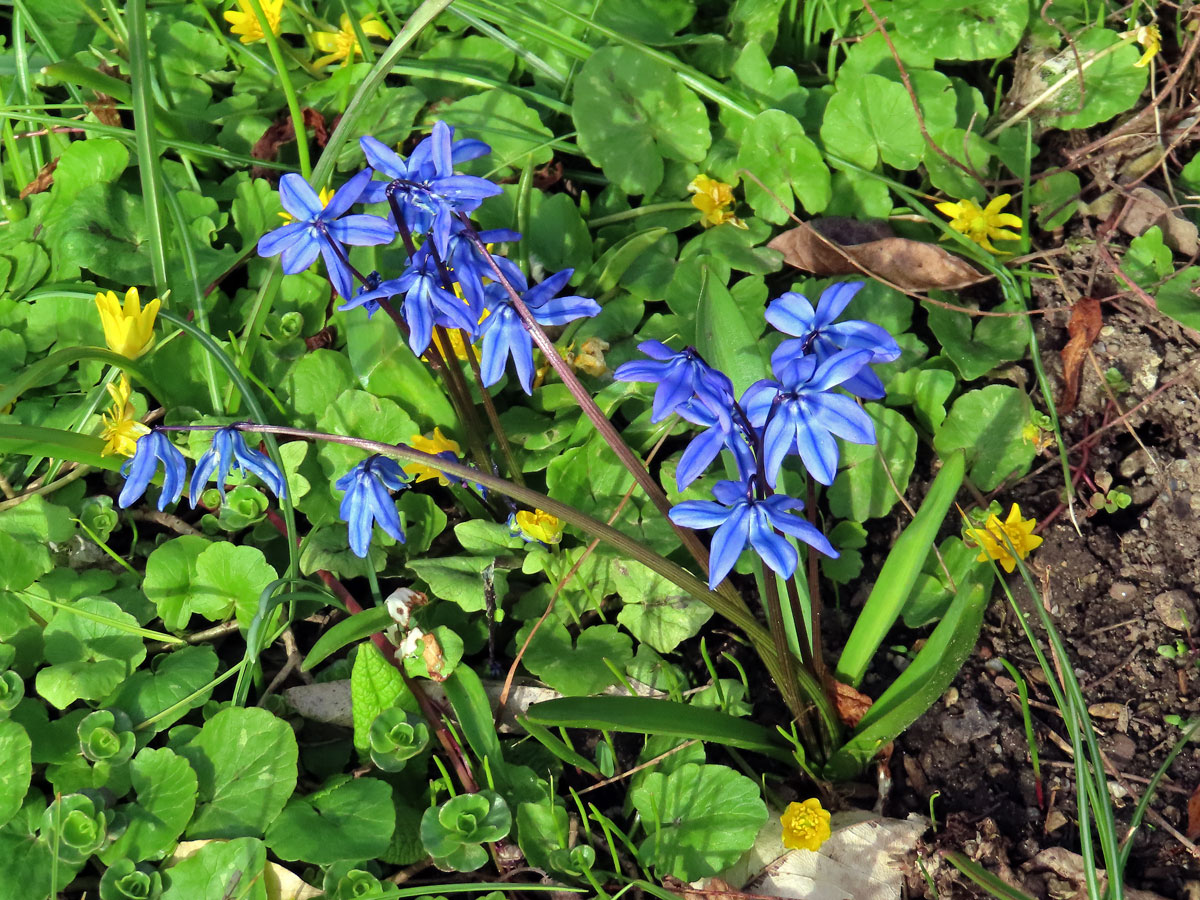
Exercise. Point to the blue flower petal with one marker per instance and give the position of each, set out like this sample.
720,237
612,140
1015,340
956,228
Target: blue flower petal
302,252
298,198
275,242
727,544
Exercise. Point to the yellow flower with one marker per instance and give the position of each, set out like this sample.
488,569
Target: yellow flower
590,358
714,199
121,430
343,43
543,371
991,541
129,330
537,526
1150,38
805,825
245,24
982,225
435,444
324,195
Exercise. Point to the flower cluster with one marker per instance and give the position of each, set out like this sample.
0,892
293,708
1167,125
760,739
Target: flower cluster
227,452
796,413
451,280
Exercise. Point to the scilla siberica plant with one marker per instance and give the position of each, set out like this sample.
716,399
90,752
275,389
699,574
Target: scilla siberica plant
453,280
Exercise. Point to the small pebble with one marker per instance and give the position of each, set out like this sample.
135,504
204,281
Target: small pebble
950,697
1122,590
1175,609
1106,710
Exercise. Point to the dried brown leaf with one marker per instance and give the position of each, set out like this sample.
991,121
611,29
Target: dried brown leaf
432,654
1193,822
1084,328
43,181
838,246
105,112
283,132
852,705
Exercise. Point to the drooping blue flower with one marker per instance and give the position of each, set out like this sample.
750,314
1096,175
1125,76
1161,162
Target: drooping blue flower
468,265
721,432
817,332
800,414
228,449
680,376
322,229
504,334
425,187
740,518
368,502
151,449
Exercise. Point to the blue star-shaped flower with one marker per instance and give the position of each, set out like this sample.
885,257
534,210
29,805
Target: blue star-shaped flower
139,470
504,334
367,500
430,193
323,229
740,518
818,333
228,449
799,414
680,376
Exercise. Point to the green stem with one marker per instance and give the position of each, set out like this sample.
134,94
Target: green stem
146,138
289,91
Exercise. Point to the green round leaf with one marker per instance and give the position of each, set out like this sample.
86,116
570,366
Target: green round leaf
776,150
863,490
351,820
632,112
987,423
698,819
872,118
166,798
1112,84
961,29
17,771
246,763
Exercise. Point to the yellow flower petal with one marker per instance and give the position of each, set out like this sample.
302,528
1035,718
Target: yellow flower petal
982,225
343,43
246,25
128,330
715,200
121,430
538,526
805,825
433,445
992,543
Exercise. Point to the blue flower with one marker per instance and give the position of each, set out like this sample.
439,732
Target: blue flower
799,414
679,376
818,333
504,334
322,229
367,500
468,265
229,449
739,517
139,469
426,188
721,433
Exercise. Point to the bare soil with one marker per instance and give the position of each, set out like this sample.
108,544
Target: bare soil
1122,590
